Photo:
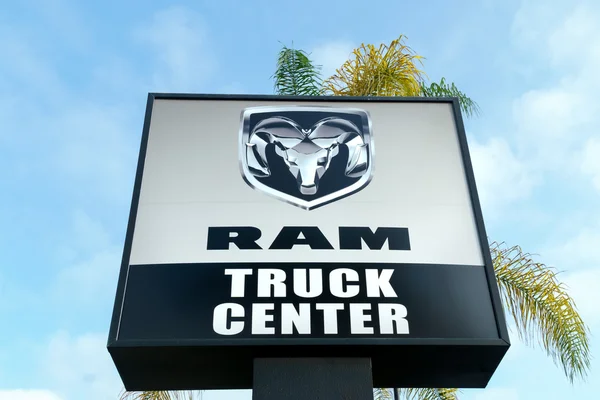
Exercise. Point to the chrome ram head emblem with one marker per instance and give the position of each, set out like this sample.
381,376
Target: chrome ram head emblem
300,145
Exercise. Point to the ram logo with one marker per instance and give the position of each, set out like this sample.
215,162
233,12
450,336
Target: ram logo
306,156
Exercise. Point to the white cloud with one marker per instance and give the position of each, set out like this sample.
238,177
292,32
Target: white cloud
64,19
117,75
590,161
15,297
576,42
96,150
550,113
583,288
534,19
178,39
557,127
81,367
28,394
331,55
501,177
23,69
92,260
88,234
554,121
578,260
92,281
579,251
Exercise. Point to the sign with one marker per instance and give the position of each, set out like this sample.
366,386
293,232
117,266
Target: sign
267,226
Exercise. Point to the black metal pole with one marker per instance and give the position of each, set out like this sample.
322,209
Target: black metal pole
396,394
312,379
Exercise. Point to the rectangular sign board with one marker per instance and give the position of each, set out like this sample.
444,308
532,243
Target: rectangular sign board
268,226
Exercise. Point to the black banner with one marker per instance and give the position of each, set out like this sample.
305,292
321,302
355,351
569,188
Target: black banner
317,301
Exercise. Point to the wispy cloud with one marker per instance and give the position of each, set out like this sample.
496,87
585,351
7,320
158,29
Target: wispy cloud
584,286
579,251
590,161
178,40
502,178
24,69
21,394
91,281
97,148
331,55
551,134
553,121
80,367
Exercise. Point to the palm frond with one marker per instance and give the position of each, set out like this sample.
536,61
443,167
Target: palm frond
163,395
296,74
382,394
387,70
542,309
443,89
429,394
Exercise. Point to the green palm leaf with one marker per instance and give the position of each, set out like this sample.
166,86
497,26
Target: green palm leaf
443,89
296,74
541,309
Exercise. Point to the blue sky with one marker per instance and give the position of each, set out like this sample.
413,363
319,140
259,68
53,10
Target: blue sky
74,78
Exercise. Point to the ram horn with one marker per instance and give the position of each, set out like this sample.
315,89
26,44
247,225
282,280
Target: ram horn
281,131
331,132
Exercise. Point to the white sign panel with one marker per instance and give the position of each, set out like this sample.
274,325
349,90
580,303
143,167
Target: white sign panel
322,166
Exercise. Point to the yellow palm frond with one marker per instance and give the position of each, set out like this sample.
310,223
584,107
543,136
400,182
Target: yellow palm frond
162,395
542,309
428,394
378,71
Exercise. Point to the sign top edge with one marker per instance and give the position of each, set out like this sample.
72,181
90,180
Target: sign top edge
273,97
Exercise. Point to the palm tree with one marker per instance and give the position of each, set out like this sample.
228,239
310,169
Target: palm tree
387,70
533,297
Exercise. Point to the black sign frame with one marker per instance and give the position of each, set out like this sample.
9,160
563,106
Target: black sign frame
174,364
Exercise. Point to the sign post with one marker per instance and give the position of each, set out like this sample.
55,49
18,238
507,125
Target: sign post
330,238
312,378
